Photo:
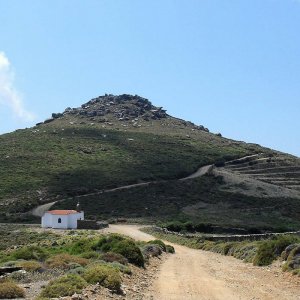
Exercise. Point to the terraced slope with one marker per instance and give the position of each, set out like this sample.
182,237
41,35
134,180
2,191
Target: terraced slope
276,169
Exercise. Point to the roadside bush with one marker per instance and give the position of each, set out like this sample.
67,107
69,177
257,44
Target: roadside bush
9,290
153,250
30,266
30,252
106,276
114,257
64,286
170,249
121,245
293,261
271,249
285,254
65,261
131,251
160,243
245,251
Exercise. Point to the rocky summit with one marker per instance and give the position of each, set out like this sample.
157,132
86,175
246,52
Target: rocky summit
123,108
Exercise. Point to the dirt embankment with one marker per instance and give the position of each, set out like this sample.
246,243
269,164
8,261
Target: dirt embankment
198,275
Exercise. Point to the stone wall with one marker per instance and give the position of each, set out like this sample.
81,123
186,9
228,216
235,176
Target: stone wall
226,238
89,224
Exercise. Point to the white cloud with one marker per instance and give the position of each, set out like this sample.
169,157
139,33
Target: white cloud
9,95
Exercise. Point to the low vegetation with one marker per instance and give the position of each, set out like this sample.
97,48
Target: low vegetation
10,290
260,253
106,276
120,245
72,261
64,286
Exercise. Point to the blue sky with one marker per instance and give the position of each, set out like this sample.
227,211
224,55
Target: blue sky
232,66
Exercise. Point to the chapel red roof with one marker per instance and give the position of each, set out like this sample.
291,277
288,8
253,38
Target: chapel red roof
62,212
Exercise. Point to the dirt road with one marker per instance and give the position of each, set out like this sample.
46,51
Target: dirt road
200,275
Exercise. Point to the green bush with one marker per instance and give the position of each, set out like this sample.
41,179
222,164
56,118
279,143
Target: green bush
131,251
121,245
9,290
160,243
269,250
153,250
30,252
170,249
106,276
81,246
293,261
64,286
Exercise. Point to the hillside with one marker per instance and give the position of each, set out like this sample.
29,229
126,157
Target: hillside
112,141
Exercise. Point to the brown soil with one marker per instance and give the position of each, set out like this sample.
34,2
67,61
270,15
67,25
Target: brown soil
196,274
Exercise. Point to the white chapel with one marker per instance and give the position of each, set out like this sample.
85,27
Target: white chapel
62,219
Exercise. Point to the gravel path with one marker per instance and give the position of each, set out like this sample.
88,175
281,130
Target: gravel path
201,275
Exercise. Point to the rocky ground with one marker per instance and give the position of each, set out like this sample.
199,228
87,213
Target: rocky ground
137,286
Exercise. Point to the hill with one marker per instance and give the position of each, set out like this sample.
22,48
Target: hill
113,141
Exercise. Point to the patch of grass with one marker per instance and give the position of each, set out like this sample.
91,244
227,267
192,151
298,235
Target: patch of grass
30,252
13,234
106,276
64,286
10,290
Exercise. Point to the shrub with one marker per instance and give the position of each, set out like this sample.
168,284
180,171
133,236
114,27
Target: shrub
81,246
9,290
121,267
18,276
170,249
106,276
114,257
121,245
30,252
30,266
285,254
153,250
160,243
64,286
65,261
271,249
131,251
293,260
